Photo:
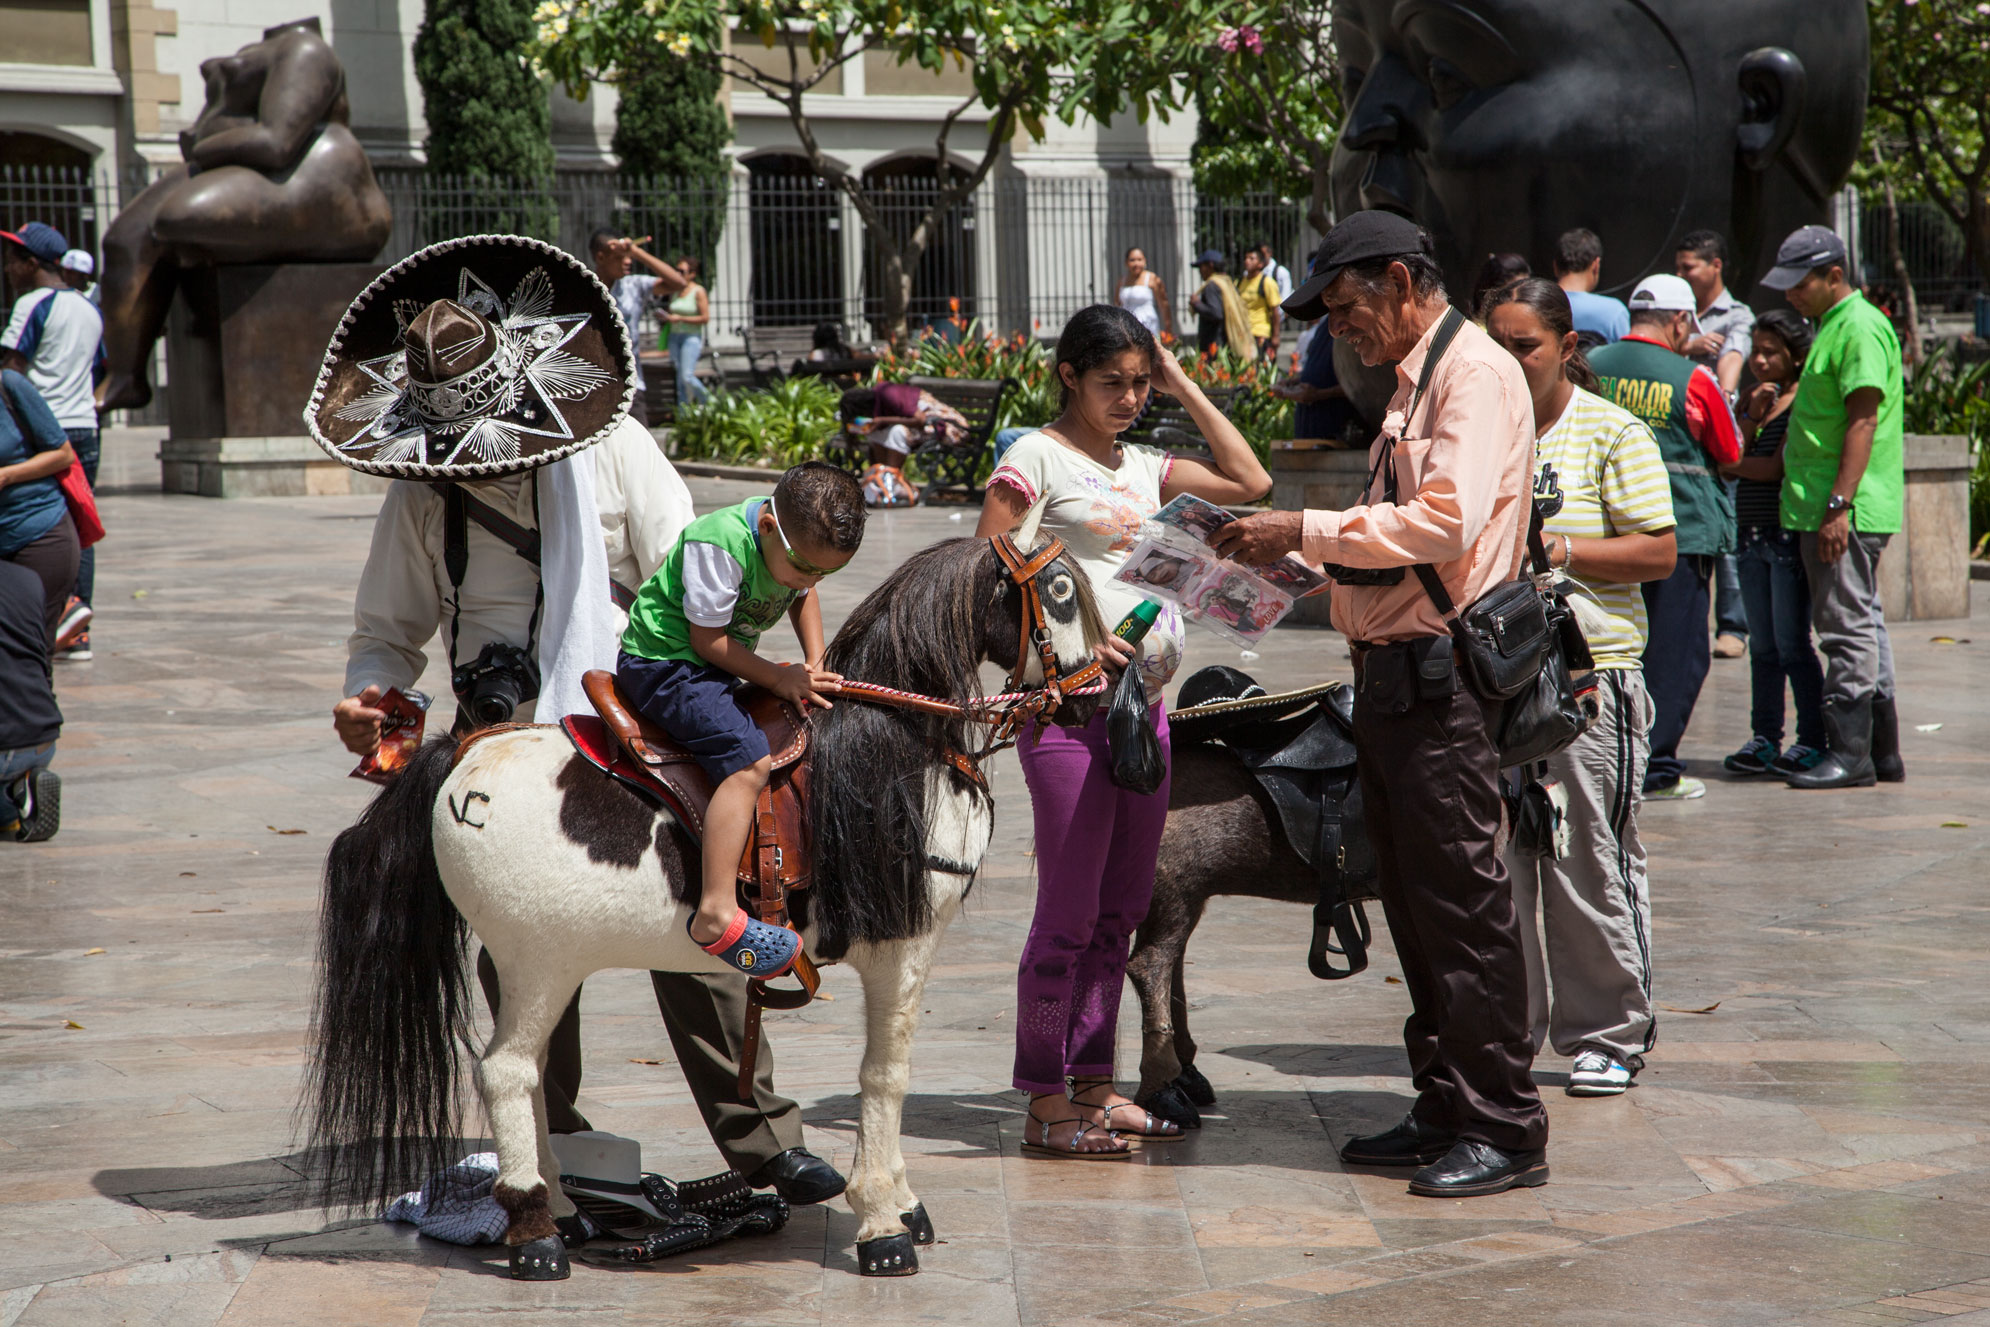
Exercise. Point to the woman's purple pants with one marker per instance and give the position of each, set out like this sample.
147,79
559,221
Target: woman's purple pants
1096,845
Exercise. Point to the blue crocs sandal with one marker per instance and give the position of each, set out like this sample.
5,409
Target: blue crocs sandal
754,947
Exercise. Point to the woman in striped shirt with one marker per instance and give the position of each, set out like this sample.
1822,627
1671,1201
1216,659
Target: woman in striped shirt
1613,532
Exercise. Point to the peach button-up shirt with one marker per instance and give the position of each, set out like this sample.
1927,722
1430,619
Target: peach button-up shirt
1464,481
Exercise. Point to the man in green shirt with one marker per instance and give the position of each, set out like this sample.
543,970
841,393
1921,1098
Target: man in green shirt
1843,485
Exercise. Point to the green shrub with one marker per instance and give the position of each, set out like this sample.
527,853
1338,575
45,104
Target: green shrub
784,425
1945,397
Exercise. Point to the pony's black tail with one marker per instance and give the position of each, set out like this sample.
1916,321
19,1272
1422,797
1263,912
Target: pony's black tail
392,1004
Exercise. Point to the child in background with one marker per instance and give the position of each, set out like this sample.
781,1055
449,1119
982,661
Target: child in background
690,643
1774,593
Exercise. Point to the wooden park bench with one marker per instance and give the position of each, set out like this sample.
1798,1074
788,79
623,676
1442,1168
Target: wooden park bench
660,385
770,350
1167,424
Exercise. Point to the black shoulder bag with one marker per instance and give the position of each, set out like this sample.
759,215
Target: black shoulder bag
1522,646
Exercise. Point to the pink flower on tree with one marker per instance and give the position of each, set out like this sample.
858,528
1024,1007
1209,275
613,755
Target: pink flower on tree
1247,37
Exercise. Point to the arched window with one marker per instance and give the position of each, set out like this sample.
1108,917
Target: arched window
46,179
795,230
905,187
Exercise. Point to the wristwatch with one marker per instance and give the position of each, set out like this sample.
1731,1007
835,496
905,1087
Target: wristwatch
1836,504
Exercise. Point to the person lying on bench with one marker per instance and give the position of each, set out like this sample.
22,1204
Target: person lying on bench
690,643
897,417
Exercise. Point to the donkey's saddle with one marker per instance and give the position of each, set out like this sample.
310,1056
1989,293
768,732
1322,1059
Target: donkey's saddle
1300,747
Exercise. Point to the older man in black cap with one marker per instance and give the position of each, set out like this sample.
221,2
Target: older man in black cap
1449,488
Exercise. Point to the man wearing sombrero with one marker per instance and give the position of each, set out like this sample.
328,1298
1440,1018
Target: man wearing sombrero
492,376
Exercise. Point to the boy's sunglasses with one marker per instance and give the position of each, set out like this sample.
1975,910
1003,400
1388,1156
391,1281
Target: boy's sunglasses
796,560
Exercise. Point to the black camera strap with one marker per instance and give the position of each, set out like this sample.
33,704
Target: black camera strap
458,510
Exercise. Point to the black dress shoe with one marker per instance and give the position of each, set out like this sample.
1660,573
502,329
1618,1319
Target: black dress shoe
1837,770
1408,1144
1473,1169
800,1176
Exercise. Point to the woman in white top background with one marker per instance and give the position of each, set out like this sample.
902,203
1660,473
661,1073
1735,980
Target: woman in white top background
1144,295
1096,843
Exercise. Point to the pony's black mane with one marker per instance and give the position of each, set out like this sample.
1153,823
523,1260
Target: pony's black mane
922,630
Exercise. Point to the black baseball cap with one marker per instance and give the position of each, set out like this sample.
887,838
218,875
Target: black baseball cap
1359,238
1802,253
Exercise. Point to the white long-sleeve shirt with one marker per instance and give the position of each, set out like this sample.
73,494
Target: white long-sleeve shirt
404,592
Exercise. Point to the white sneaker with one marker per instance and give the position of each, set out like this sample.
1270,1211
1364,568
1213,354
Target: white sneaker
1598,1073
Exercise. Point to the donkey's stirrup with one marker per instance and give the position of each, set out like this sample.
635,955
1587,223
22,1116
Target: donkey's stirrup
752,947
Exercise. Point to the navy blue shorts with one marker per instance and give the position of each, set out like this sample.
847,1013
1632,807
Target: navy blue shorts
696,704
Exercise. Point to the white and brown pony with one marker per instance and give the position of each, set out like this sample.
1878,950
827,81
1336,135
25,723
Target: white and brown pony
560,871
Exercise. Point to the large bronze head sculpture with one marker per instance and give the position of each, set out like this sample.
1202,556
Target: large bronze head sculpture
1501,123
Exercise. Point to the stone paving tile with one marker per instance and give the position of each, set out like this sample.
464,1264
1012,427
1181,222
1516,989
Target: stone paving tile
1816,1149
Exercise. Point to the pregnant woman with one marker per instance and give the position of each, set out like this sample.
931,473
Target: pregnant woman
1096,843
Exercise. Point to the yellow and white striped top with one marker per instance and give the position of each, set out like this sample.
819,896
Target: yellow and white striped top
1613,482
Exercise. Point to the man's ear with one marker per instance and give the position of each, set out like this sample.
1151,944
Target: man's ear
1772,83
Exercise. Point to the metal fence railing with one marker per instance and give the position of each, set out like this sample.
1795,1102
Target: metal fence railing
1932,245
784,249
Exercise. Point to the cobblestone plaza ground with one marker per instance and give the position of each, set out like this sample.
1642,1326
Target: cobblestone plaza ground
1810,1144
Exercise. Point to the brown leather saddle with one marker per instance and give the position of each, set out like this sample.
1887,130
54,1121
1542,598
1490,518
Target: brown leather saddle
626,746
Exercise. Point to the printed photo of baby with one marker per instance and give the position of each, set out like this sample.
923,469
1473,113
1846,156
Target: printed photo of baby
1239,604
1155,569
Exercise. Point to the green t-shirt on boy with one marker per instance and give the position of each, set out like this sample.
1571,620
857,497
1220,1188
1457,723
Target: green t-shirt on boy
714,577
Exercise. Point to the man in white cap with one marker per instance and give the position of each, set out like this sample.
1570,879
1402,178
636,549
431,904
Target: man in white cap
79,272
491,376
1648,374
1844,490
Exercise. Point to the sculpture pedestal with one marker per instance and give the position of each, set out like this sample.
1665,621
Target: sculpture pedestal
243,349
1924,572
1329,480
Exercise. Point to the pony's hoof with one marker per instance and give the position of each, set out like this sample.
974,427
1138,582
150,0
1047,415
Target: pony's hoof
1172,1103
919,1224
542,1259
1194,1086
892,1255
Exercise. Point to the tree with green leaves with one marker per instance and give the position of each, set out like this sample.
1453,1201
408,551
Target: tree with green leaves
671,135
1267,86
1930,102
1029,59
489,121
486,108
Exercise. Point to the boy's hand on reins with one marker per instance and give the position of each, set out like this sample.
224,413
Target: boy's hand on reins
802,685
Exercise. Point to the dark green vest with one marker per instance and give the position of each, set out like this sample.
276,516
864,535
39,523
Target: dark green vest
1650,382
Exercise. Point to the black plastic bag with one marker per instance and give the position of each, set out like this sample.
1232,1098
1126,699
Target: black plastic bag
1138,763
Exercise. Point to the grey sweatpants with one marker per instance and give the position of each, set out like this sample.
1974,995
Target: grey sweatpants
1845,611
1596,901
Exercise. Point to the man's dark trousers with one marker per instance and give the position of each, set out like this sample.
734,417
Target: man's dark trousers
1430,789
705,1015
1677,656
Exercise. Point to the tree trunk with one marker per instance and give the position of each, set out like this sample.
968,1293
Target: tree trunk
1899,263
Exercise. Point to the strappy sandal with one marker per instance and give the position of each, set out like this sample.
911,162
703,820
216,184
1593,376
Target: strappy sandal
1069,1151
1157,1130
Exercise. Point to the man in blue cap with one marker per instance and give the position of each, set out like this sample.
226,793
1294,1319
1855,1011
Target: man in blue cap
1843,490
55,337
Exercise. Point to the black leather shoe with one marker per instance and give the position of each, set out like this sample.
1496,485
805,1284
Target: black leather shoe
1408,1144
1473,1169
1836,771
800,1176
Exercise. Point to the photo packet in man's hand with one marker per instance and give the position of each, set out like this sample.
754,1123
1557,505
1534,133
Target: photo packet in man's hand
400,736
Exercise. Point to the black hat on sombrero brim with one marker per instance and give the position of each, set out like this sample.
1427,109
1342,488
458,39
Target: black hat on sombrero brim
560,377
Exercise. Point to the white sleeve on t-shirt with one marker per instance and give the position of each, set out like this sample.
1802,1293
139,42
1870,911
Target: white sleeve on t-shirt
711,584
